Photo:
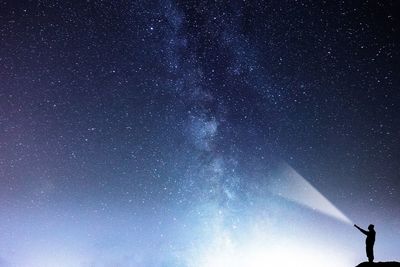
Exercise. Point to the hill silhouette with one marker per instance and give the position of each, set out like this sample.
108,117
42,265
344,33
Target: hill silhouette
379,264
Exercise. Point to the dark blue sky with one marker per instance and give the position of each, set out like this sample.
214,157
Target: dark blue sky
142,133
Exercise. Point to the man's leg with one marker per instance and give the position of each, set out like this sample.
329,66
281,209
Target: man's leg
370,253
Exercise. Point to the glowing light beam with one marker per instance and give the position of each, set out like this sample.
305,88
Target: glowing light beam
291,185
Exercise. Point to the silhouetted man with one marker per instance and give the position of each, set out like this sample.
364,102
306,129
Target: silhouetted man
369,241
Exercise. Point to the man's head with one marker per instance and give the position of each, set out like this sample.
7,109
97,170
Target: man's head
371,227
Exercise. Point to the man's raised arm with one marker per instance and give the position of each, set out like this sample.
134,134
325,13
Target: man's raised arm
361,230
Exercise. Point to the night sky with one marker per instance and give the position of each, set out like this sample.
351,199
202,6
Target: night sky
151,133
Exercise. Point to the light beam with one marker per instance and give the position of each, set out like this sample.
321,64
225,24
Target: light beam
291,185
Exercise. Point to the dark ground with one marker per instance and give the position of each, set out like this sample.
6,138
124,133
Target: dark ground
379,264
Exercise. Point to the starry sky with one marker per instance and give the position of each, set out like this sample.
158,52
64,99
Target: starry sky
149,133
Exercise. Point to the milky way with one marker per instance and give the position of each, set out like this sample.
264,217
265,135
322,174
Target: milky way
160,133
